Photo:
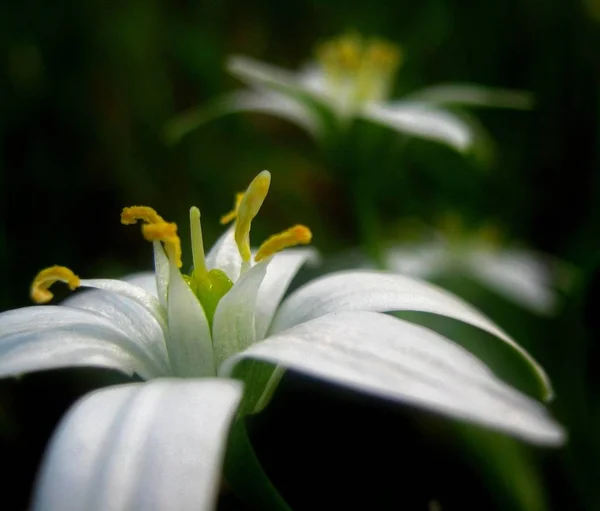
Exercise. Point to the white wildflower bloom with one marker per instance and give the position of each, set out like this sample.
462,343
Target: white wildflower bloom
526,277
353,77
160,444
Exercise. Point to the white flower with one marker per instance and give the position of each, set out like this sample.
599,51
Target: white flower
352,78
160,444
526,277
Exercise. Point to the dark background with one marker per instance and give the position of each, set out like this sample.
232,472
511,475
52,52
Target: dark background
86,88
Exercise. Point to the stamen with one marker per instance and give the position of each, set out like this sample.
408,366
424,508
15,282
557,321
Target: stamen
40,287
249,207
166,232
156,229
132,214
229,217
297,235
197,242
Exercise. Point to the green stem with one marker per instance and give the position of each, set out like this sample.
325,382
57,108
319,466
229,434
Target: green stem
245,474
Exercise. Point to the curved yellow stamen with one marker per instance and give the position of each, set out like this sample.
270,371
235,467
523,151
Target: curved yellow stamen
155,229
132,214
166,232
229,217
249,207
297,235
40,287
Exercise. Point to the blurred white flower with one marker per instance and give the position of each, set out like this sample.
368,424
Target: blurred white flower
352,77
160,444
528,278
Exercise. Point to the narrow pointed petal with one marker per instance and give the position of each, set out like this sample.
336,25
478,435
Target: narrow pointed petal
146,280
260,74
134,320
189,343
225,255
420,120
473,95
259,101
384,292
282,269
51,337
135,293
420,261
517,275
152,446
161,269
233,325
398,360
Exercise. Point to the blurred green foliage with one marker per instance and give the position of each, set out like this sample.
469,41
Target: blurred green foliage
86,88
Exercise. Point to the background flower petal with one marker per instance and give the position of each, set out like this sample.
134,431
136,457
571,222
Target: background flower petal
225,255
421,120
468,94
154,446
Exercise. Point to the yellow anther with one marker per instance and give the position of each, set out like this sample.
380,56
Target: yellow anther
166,232
383,55
229,217
297,235
155,229
249,207
132,214
40,287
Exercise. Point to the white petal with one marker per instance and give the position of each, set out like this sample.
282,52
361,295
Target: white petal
50,337
135,293
398,360
282,269
225,255
421,260
260,74
137,323
260,100
189,343
516,274
233,323
152,446
378,291
161,269
423,121
146,280
473,95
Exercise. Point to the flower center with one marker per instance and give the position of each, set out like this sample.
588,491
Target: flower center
359,70
209,286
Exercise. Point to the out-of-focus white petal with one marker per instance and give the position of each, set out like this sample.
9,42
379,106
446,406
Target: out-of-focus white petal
421,260
473,95
189,344
152,446
50,337
516,274
398,360
225,255
233,323
259,100
384,292
282,269
421,120
260,74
